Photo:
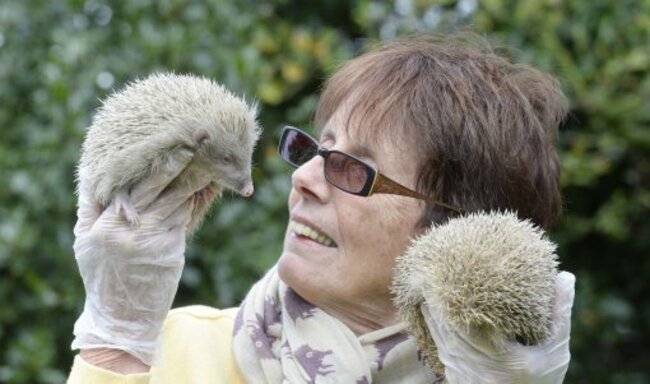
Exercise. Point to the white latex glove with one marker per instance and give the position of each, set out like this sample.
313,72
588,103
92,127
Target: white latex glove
470,359
131,274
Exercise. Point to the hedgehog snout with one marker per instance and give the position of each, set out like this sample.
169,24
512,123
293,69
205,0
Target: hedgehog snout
246,188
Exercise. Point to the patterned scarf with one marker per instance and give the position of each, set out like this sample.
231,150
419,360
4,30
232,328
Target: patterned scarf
281,338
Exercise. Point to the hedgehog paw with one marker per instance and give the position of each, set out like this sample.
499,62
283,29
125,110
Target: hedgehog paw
126,210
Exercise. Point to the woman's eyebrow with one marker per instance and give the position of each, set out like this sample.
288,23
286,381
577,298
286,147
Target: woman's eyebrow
326,134
358,150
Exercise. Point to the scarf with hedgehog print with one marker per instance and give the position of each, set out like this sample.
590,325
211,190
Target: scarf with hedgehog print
278,337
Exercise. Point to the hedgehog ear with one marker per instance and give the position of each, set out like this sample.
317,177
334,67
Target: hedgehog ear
200,135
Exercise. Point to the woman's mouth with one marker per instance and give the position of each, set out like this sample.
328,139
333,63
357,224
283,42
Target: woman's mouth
311,233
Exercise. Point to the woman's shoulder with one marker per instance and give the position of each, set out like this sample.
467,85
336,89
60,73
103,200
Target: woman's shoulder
197,343
198,326
201,313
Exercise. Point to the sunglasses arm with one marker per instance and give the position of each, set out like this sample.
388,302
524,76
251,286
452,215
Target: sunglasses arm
383,184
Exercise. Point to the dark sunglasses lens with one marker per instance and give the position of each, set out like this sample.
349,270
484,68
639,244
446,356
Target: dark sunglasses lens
297,148
346,172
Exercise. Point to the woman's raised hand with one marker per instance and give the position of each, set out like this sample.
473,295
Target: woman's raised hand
131,273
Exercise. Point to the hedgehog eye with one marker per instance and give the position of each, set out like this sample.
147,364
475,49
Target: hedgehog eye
226,159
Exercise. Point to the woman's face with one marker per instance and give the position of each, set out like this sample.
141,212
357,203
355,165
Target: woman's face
340,249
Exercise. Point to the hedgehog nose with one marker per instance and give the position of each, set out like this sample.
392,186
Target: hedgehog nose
247,190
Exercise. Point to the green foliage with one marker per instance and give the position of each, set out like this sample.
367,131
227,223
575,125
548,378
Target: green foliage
58,59
601,52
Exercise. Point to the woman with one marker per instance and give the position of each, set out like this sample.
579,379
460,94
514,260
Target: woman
446,118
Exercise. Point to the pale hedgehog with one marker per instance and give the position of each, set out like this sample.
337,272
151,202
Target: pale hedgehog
491,274
137,128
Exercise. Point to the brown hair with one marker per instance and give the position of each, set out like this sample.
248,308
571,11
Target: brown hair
483,127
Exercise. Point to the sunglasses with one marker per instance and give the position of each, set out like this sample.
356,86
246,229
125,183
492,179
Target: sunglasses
343,171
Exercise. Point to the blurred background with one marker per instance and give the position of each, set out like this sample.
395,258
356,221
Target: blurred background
59,59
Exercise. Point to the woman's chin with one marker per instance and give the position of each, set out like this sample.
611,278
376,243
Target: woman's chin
298,272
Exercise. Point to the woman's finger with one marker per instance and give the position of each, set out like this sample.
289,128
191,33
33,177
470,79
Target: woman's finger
88,209
148,190
564,294
181,216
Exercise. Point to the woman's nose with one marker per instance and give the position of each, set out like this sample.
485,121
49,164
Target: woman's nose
309,180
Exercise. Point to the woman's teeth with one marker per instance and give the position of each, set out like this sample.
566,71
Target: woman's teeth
309,232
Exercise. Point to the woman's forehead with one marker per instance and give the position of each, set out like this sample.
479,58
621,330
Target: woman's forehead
366,135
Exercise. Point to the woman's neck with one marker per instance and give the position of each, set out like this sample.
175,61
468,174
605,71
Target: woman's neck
362,318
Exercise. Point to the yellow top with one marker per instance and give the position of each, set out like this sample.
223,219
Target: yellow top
197,344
